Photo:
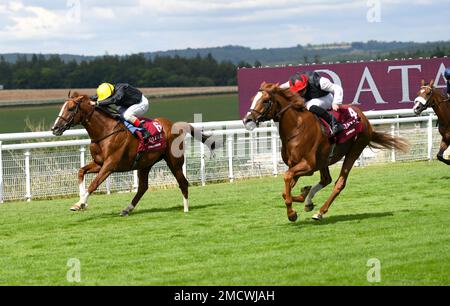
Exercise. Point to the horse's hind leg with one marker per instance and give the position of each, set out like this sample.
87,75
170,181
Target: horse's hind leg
176,166
440,156
142,188
349,161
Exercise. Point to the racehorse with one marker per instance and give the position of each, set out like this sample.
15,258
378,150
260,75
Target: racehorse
307,149
114,149
429,97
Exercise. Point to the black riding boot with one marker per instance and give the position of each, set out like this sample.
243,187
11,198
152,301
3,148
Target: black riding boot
145,133
336,126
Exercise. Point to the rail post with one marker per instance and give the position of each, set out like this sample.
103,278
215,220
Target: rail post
185,159
83,163
430,137
230,148
135,181
1,174
252,149
27,176
202,164
393,153
274,139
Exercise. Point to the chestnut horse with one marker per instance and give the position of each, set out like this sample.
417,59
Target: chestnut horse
114,149
305,147
429,97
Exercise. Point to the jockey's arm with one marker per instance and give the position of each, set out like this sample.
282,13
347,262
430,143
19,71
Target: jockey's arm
285,85
448,89
336,90
116,97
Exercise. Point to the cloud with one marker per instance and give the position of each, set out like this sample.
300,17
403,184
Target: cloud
117,26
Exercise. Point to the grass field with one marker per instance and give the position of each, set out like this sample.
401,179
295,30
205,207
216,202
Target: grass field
238,234
213,108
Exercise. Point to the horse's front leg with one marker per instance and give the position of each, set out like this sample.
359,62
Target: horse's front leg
441,154
325,180
290,179
104,172
92,167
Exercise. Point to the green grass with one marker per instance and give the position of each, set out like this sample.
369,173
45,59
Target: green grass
213,108
238,234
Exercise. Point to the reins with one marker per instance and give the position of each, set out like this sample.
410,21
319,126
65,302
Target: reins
110,134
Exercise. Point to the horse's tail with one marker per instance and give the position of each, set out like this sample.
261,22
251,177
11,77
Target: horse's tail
381,140
204,138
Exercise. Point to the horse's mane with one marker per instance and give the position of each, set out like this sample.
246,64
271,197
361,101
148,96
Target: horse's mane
298,103
103,110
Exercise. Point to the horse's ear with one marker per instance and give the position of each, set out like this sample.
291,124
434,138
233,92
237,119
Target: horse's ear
68,95
431,83
422,83
74,95
263,84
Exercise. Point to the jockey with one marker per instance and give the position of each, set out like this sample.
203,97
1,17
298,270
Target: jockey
130,101
447,77
320,94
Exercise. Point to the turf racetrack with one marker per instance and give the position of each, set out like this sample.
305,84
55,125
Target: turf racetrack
238,234
212,107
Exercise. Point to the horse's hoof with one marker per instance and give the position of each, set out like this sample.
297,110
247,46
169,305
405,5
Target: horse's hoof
124,213
78,207
309,207
318,217
293,217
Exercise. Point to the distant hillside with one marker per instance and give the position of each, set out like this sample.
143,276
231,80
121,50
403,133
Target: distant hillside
299,54
316,53
12,57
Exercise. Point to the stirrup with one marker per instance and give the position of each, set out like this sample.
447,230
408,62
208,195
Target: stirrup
336,129
146,134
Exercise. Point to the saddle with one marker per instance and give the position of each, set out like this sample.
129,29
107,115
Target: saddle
349,119
157,140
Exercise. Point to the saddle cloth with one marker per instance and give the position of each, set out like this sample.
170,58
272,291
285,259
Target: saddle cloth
157,140
349,119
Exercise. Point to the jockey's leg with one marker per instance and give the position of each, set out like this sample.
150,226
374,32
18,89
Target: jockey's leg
135,111
319,107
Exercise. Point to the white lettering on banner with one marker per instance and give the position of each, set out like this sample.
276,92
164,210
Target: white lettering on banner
335,78
440,76
405,79
372,88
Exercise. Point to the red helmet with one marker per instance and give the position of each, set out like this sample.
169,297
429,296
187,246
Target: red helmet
298,82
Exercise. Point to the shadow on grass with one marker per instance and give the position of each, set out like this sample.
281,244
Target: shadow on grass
345,218
138,211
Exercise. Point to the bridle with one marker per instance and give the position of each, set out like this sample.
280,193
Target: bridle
427,101
262,116
72,113
267,107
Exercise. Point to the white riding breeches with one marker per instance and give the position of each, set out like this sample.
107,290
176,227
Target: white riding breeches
325,102
137,110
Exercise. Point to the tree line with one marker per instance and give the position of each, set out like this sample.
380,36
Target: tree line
40,72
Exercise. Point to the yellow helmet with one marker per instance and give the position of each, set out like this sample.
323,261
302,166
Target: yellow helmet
104,91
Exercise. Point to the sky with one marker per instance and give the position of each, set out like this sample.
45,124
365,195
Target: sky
97,27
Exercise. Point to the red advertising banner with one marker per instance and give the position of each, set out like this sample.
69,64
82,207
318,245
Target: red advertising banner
374,85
